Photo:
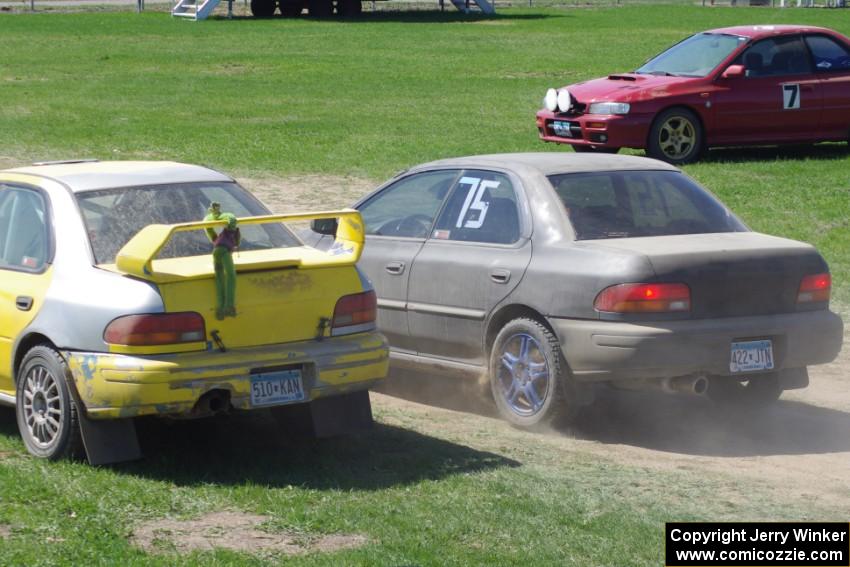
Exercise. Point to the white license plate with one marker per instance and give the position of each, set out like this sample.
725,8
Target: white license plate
563,129
275,388
749,356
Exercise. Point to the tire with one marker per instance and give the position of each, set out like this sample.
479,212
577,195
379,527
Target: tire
263,8
676,137
320,8
46,412
290,9
349,8
759,391
580,149
529,379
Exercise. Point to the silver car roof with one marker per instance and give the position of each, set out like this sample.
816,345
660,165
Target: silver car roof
553,163
89,176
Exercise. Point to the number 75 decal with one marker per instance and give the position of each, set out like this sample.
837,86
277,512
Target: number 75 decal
474,201
790,97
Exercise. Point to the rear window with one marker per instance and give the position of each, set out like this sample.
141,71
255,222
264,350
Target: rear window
624,204
114,216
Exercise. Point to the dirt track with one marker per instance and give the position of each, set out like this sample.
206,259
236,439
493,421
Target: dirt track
799,448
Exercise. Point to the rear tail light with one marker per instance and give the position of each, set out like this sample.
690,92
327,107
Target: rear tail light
156,329
644,298
815,288
356,309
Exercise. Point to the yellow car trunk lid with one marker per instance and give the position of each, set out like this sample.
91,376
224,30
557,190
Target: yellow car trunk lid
282,294
273,305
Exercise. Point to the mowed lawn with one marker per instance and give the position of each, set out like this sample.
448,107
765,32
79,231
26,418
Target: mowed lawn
366,99
371,97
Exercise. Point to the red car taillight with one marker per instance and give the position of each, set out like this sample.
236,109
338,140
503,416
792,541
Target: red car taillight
356,309
815,288
644,298
156,329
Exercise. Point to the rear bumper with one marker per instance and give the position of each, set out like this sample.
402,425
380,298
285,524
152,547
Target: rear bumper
116,385
603,130
615,351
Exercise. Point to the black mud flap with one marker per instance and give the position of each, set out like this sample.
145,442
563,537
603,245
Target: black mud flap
105,441
327,417
793,378
109,441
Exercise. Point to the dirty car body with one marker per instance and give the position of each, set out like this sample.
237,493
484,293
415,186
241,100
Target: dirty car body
547,272
733,86
109,288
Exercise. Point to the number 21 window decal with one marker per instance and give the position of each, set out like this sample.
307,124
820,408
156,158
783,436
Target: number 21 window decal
790,97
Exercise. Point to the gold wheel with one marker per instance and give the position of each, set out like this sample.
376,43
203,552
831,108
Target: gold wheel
677,137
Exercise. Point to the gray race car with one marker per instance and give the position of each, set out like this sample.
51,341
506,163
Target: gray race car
549,271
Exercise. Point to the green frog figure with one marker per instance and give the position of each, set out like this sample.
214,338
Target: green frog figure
224,243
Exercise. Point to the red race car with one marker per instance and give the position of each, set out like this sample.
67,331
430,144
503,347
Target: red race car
725,87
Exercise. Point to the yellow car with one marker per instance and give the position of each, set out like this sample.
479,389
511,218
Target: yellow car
112,307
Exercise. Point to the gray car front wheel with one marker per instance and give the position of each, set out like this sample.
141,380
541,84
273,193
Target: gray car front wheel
46,413
530,382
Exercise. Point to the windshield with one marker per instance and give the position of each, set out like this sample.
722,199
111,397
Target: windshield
695,56
114,216
623,204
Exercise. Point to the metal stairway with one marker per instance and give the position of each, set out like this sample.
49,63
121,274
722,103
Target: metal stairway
194,9
465,6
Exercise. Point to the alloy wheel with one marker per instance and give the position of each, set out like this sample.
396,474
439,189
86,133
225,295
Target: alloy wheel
523,374
42,406
677,137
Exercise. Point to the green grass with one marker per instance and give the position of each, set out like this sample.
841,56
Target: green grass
368,98
426,488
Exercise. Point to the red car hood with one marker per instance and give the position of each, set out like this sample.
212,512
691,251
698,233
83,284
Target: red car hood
627,87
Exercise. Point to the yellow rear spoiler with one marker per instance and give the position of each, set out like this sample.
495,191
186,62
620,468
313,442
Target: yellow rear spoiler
136,257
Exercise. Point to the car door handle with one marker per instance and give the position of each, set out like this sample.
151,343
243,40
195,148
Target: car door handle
395,268
23,302
500,276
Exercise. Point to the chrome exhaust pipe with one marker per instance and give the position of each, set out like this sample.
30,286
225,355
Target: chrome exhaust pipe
696,385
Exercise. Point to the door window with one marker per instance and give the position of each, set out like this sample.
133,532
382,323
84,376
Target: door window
482,207
24,237
408,207
778,56
829,55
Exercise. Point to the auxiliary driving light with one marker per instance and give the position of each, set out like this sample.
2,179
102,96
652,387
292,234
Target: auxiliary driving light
550,101
565,101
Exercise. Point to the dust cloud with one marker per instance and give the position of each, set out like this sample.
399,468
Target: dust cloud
800,445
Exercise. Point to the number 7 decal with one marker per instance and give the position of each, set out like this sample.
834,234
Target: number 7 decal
790,97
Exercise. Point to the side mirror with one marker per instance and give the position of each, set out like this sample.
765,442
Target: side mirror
733,72
324,226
